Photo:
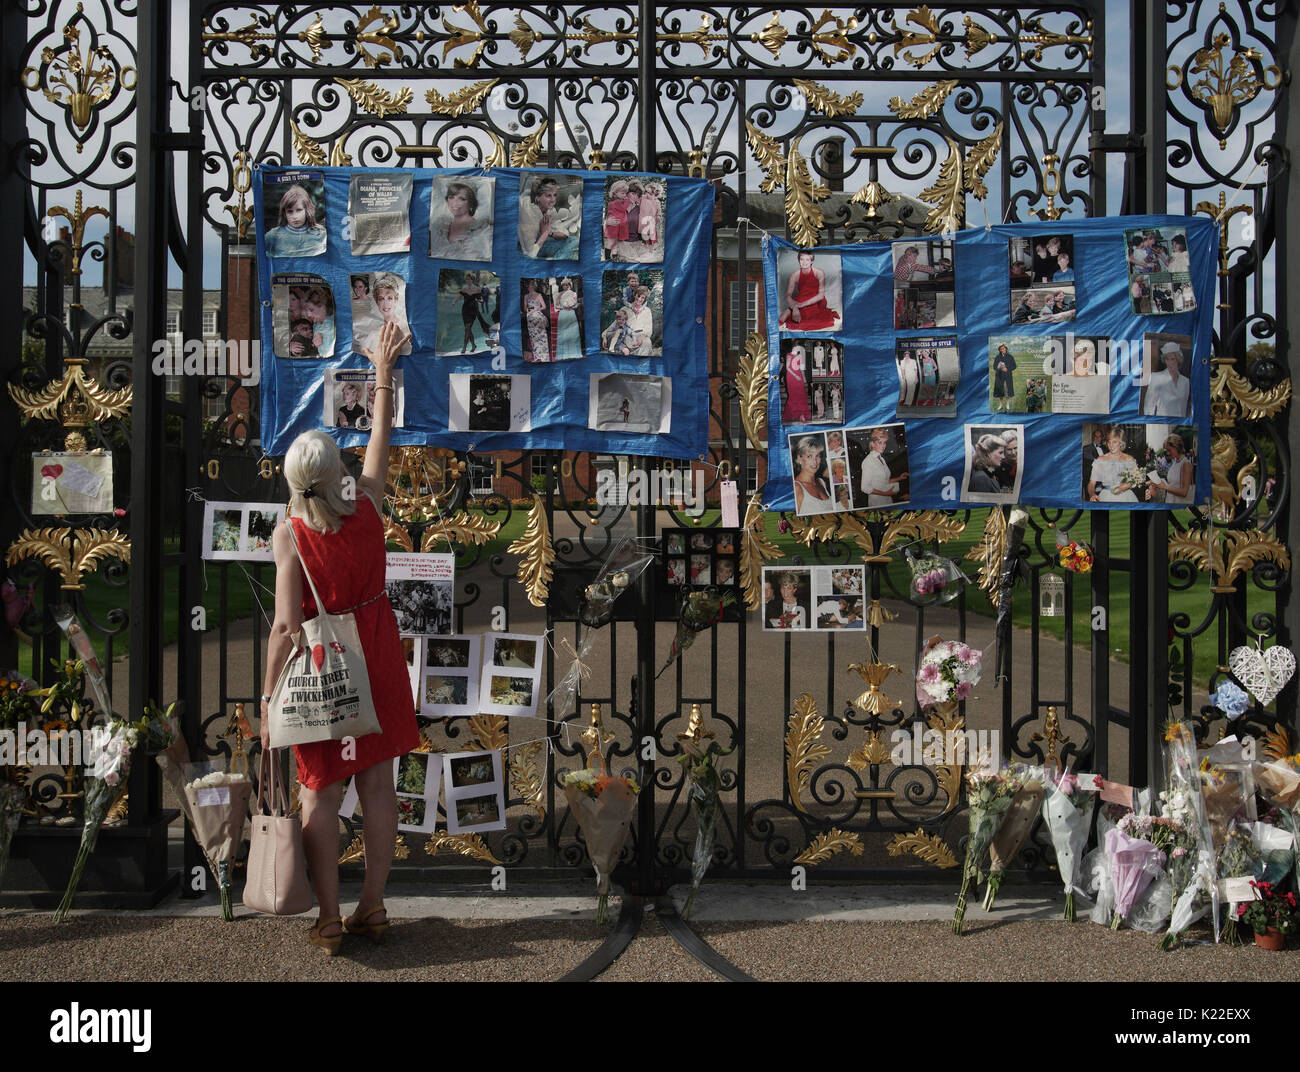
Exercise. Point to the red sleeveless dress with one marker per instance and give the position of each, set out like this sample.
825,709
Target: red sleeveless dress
816,317
348,568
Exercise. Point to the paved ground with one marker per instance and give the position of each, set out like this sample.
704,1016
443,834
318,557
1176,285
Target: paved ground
829,934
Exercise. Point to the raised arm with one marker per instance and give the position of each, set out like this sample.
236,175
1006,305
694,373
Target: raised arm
391,340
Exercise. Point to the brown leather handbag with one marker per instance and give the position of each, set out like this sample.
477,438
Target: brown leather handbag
277,863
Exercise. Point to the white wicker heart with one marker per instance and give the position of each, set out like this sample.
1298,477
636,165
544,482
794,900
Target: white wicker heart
1265,673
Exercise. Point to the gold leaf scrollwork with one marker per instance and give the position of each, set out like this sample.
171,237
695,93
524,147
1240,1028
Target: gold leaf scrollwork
946,720
980,159
989,551
398,534
462,101
801,197
463,528
924,104
77,218
313,37
497,158
70,552
826,845
490,731
921,525
529,149
1041,39
755,549
1223,88
466,844
826,528
821,99
355,852
977,37
379,36
76,81
249,36
308,149
460,36
538,554
523,36
75,400
375,100
525,781
767,151
1241,550
1234,396
873,752
753,381
773,35
339,156
924,18
874,701
947,194
873,195
803,747
828,33
929,847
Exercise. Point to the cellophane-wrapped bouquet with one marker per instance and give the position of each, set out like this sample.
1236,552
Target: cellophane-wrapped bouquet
989,795
1015,827
1067,810
1191,855
603,806
949,670
216,804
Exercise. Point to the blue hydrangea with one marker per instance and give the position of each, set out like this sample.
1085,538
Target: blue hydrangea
1231,699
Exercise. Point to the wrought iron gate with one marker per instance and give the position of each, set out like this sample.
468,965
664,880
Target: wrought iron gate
830,124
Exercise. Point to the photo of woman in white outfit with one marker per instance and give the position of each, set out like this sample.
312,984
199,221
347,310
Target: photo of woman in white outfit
1179,484
879,486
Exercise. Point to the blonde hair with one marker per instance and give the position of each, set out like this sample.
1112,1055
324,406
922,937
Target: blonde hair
313,463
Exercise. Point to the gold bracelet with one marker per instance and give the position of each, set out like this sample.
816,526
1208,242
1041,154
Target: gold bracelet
384,387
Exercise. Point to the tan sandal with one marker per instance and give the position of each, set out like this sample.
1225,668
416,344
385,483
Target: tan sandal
357,924
329,943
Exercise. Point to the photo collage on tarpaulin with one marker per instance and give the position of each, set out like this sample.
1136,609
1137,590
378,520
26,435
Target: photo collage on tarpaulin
505,278
1071,349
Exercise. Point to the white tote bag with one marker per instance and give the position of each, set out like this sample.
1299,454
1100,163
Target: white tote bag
323,692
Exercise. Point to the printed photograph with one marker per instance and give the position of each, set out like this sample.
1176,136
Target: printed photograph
411,811
676,545
1135,463
701,569
511,651
448,652
623,402
877,466
811,290
460,217
225,530
848,580
551,313
302,316
412,772
724,571
469,311
421,606
472,770
550,216
632,313
261,525
634,220
676,571
1015,361
511,691
1043,305
377,298
1159,271
1166,361
350,399
293,206
380,207
994,463
811,475
929,371
444,690
1080,374
787,598
811,382
924,285
478,811
1041,260
487,403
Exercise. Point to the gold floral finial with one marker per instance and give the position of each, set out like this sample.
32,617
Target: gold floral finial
874,701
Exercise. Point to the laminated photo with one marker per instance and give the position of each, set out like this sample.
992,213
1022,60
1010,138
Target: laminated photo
445,675
350,399
377,298
625,402
302,316
72,482
1159,271
632,313
924,284
421,591
489,403
379,205
995,456
469,311
878,472
1139,463
234,531
634,218
1166,390
511,674
812,381
550,216
293,213
814,598
474,788
460,217
417,777
552,319
810,283
929,371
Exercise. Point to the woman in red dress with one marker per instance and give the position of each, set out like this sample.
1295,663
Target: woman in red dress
805,299
341,541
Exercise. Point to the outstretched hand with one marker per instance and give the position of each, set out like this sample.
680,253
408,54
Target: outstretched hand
392,339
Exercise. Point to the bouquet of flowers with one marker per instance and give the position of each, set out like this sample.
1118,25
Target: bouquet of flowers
699,752
934,578
1270,910
17,706
701,609
1067,810
216,804
603,808
1136,478
1231,699
1012,833
1075,557
1135,859
1191,855
1237,857
949,671
989,794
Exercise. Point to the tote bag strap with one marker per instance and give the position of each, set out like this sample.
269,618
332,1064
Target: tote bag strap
270,786
293,536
